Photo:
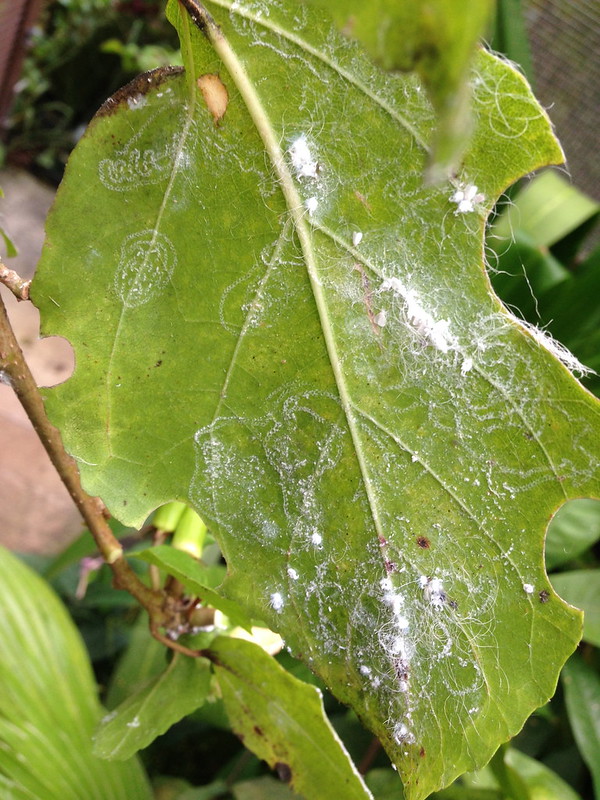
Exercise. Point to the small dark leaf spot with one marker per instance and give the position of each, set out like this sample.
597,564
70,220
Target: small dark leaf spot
423,542
158,363
258,731
544,596
284,771
422,752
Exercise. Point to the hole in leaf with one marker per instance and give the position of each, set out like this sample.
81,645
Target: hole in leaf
573,529
52,360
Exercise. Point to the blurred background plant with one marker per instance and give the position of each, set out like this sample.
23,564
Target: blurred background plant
79,52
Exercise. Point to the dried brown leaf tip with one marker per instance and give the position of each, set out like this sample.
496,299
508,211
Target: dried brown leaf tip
215,95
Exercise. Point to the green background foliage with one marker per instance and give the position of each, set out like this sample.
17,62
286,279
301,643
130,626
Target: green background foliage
48,704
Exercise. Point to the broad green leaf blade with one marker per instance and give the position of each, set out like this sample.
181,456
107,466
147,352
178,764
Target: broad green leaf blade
216,790
197,578
574,528
263,788
582,696
581,588
293,335
548,210
384,784
571,301
282,720
523,272
176,692
143,660
509,35
438,39
48,702
542,782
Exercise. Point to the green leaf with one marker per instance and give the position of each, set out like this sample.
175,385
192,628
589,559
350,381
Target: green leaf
263,788
581,588
548,209
176,692
510,35
143,660
438,39
510,782
523,271
48,702
384,784
582,696
380,492
197,578
572,314
282,720
216,790
457,792
11,250
542,782
574,528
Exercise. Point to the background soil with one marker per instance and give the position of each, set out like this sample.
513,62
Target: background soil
36,513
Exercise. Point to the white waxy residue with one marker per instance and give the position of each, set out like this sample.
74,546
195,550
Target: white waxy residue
356,238
276,601
402,734
137,101
433,590
467,365
311,205
302,161
466,198
557,349
380,319
437,332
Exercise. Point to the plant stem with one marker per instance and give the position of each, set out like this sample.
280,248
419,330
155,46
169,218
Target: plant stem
15,371
14,282
369,756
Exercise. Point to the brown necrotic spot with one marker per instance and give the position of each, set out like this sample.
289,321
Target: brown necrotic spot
215,95
544,596
133,92
423,542
284,771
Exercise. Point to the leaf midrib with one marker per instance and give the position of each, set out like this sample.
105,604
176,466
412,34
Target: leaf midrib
303,44
263,125
270,141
